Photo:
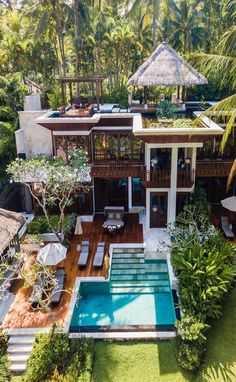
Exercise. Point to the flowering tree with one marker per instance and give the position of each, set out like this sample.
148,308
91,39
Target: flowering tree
39,277
56,181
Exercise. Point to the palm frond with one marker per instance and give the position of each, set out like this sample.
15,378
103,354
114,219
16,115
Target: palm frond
231,176
224,108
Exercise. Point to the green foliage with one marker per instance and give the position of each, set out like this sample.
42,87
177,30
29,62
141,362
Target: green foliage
57,358
202,260
50,350
5,373
189,355
40,225
199,200
191,329
3,343
55,98
119,95
165,110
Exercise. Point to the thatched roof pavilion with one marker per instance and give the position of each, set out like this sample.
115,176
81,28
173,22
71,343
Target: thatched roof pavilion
166,68
10,223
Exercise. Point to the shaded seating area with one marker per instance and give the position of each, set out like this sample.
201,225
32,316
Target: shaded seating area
84,254
114,219
99,255
224,221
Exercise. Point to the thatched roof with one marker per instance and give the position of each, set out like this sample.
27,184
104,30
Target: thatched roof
10,223
166,68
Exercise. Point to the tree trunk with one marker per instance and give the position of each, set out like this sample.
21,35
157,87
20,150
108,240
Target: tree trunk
76,28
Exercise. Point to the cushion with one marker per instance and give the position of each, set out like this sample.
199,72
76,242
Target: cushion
110,215
118,216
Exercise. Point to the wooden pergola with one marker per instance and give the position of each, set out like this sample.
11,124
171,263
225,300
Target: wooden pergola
97,80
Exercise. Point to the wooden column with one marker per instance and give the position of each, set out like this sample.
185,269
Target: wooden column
71,96
63,93
97,95
178,92
145,90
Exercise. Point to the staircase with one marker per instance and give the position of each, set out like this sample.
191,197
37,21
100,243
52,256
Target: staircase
132,273
20,345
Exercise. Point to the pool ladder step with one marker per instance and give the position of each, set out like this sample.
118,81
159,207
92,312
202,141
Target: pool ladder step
139,284
123,290
142,277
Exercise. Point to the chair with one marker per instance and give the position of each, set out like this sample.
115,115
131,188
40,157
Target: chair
57,291
84,254
99,255
225,227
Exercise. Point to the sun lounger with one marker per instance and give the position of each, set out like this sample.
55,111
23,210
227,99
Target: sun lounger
225,227
99,255
84,254
35,296
56,296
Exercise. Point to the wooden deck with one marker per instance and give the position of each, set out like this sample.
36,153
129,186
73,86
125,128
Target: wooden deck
21,315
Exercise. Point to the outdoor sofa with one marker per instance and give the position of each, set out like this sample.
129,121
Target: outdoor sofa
99,255
225,227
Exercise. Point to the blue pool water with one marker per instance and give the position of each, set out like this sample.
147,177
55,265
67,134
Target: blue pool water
124,310
138,294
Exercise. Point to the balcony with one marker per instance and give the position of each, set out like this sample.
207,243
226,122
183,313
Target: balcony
213,168
161,178
117,169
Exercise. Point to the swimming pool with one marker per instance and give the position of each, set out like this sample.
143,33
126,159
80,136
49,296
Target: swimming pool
137,297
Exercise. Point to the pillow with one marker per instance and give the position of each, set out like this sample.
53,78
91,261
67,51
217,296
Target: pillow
110,215
118,215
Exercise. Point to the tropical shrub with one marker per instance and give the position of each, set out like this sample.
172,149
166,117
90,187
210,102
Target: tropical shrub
5,373
39,224
57,358
202,259
50,351
165,110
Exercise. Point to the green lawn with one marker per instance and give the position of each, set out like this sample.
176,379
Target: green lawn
146,361
220,362
155,362
136,362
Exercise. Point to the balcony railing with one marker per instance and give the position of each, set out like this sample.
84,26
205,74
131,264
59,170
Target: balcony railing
161,178
117,169
212,168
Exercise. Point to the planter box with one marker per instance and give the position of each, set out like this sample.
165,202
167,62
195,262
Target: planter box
51,237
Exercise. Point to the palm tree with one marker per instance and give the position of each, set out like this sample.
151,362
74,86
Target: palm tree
188,29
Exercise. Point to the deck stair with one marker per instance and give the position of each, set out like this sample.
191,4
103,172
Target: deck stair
132,273
20,345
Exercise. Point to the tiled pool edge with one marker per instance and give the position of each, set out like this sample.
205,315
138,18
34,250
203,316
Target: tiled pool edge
125,335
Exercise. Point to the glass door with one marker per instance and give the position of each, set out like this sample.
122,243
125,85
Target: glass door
158,209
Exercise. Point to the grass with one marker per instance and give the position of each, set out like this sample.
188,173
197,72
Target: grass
155,362
220,361
146,361
137,362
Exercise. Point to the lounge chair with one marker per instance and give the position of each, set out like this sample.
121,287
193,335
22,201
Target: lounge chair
57,291
84,254
225,227
35,295
56,296
99,255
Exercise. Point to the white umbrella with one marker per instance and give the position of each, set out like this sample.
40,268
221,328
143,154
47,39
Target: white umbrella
229,203
52,254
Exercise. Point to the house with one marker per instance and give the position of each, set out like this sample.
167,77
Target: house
156,167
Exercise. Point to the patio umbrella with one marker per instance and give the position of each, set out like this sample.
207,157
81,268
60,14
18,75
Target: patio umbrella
229,203
52,254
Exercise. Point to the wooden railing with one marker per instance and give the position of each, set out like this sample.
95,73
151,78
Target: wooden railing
212,168
117,169
161,178
156,178
185,178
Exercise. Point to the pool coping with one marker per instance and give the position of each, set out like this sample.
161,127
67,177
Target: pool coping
125,335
